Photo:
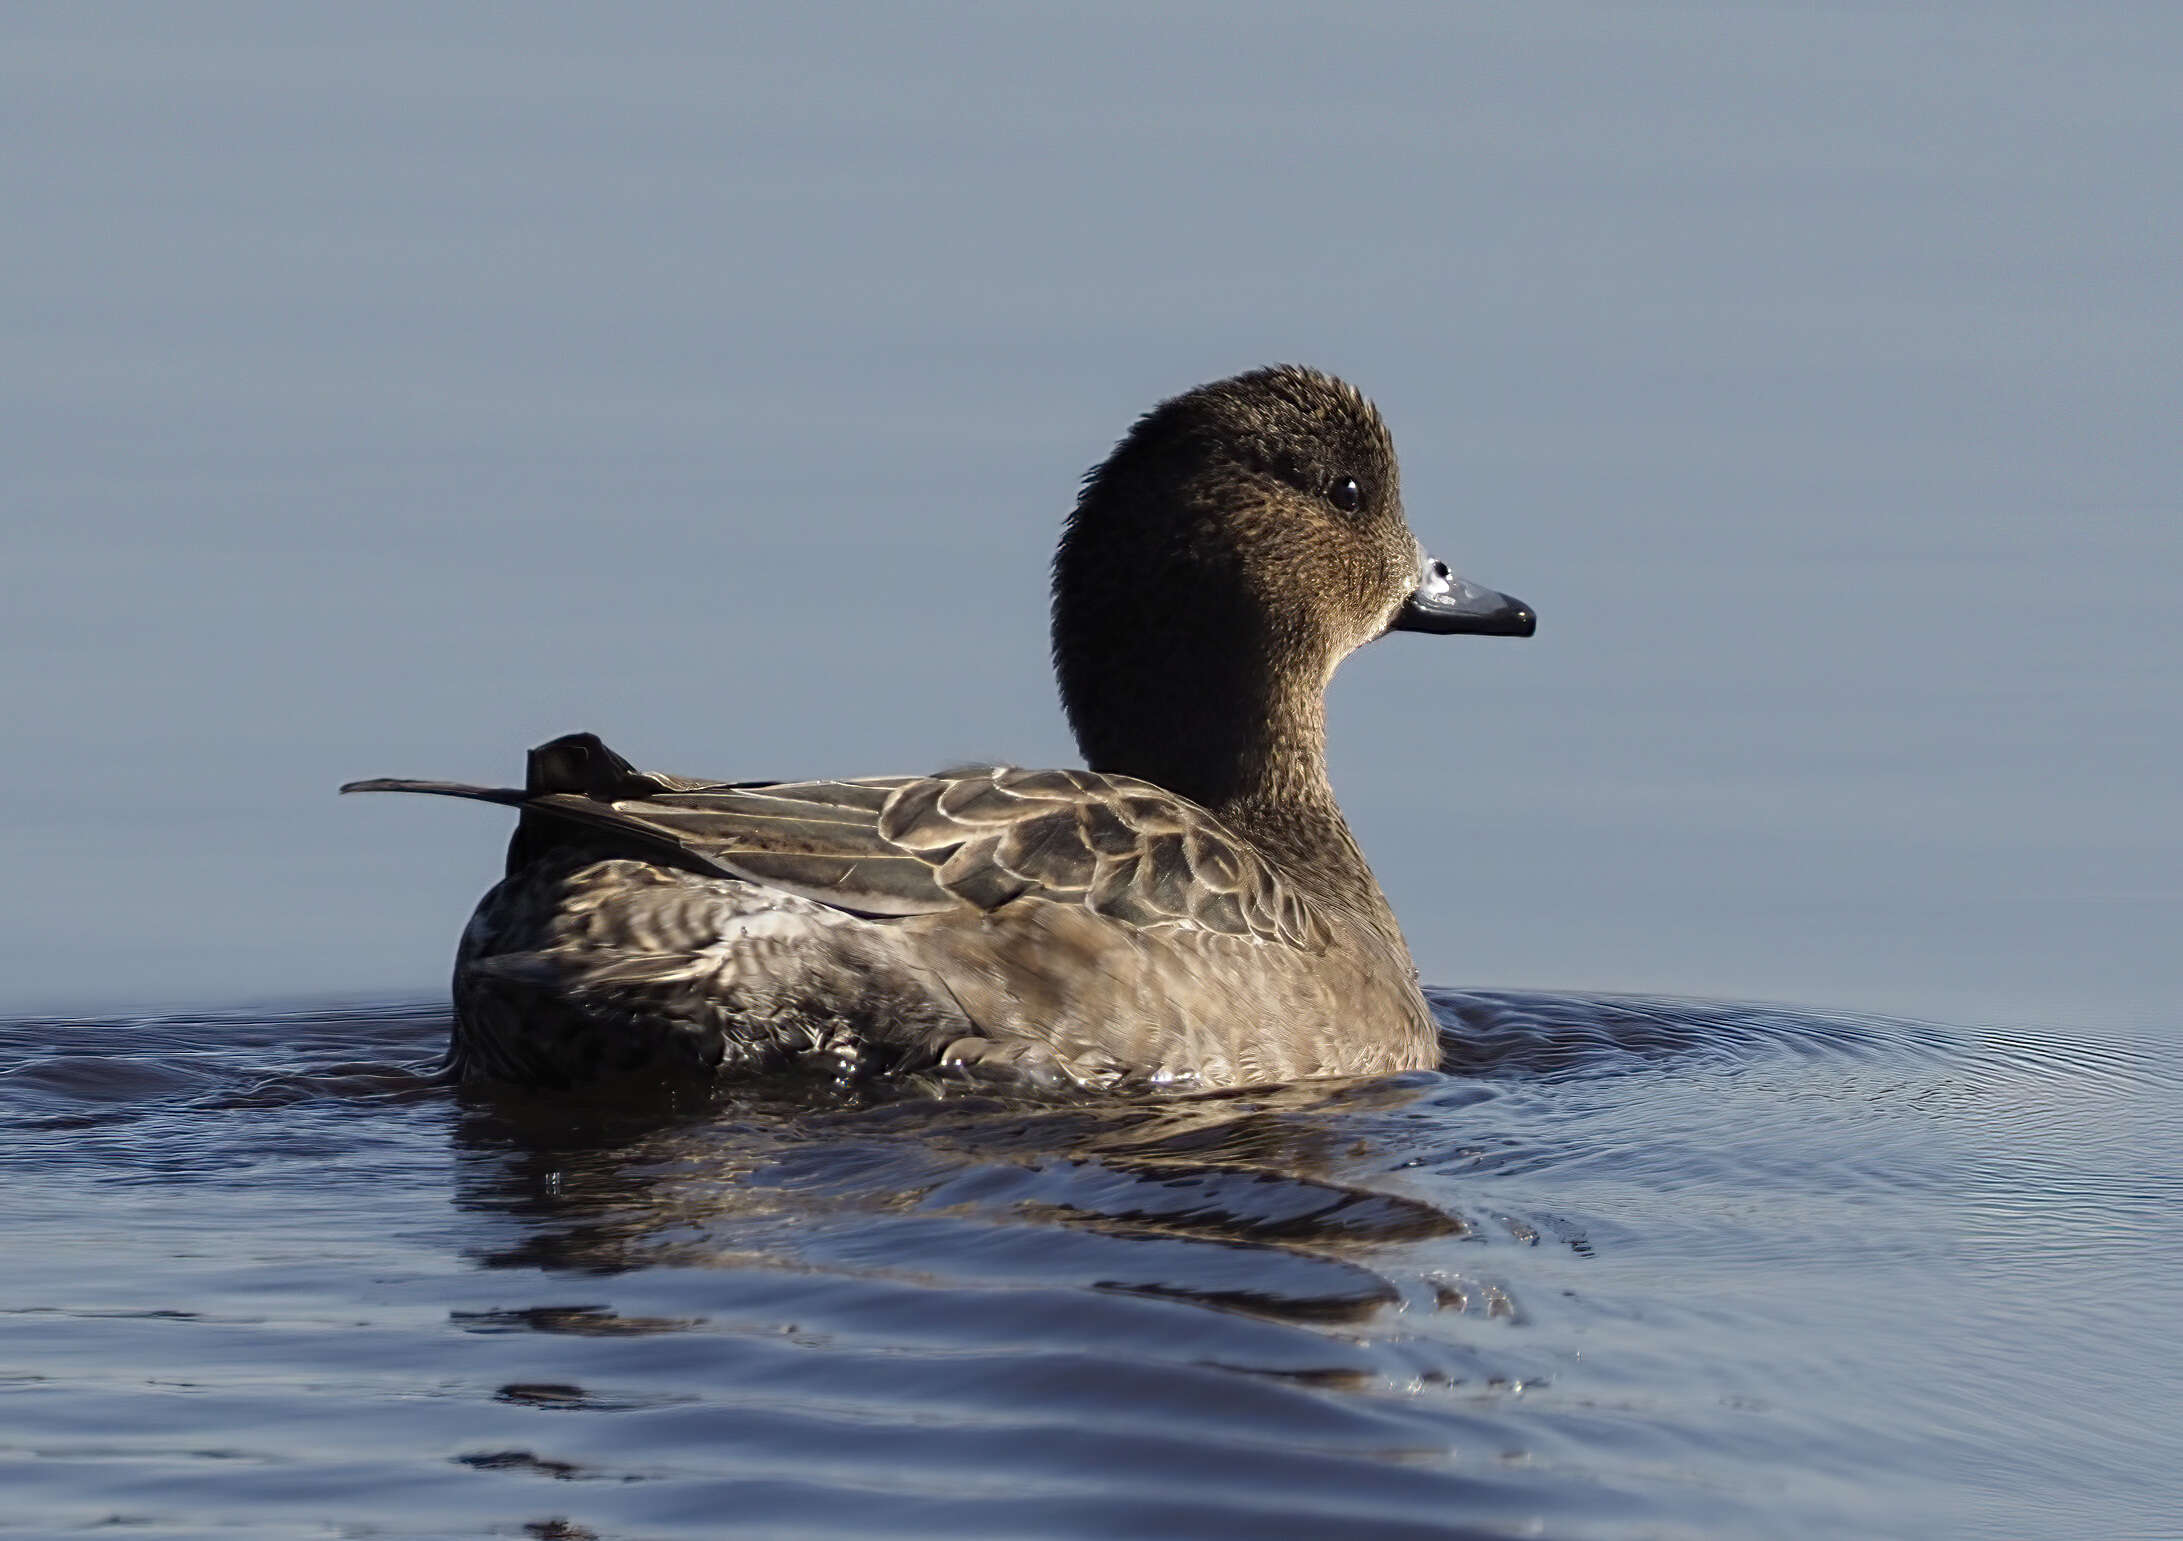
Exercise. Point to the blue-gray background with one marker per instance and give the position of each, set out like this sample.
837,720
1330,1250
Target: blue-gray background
388,388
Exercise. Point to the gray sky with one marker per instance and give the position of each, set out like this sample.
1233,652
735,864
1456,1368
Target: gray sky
388,388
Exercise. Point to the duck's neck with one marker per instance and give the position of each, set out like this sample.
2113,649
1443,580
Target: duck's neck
1253,753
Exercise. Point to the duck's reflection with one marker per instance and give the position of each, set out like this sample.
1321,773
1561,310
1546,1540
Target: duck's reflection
1269,1202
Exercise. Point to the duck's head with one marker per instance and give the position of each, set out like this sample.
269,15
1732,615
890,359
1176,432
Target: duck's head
1240,542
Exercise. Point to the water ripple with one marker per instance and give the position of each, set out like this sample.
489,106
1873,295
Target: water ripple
1623,1267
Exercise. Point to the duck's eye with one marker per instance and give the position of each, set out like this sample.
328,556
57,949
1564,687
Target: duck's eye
1345,494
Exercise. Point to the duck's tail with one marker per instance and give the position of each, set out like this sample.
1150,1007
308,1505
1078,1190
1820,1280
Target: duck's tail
578,763
512,797
569,787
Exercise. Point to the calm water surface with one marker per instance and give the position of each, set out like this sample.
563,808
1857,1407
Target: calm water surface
387,389
1625,1268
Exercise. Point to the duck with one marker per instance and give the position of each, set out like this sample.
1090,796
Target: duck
1189,910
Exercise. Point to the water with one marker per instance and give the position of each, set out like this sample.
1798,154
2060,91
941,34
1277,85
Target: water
388,389
1627,1268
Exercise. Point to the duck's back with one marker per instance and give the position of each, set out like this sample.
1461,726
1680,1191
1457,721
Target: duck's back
1046,925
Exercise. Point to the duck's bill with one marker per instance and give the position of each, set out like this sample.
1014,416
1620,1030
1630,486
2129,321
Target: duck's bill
1446,605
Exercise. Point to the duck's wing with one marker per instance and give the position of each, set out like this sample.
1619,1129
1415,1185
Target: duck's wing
976,837
1123,848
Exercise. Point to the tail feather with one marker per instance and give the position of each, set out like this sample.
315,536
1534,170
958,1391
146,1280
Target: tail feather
581,762
511,797
572,784
578,763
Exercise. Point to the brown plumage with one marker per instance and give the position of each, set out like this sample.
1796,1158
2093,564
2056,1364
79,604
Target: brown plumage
1190,911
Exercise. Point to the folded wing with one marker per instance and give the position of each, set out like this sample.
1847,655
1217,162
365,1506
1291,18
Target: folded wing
976,837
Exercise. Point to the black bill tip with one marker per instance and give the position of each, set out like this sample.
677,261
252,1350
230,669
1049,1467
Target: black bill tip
1446,605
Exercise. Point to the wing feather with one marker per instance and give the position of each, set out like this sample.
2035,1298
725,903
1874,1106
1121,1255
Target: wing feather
975,837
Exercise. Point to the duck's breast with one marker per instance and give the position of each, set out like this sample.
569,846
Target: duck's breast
1174,1004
